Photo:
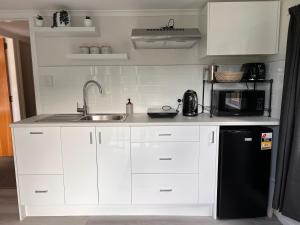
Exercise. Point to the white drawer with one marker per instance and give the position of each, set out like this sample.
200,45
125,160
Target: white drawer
164,133
165,157
41,189
164,189
38,150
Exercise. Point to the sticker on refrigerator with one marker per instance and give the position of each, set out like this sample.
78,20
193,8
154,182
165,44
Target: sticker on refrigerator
266,141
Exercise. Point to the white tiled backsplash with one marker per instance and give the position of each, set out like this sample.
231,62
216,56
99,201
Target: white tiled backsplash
275,70
60,88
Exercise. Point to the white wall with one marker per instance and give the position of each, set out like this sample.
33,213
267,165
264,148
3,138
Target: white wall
283,32
275,71
14,69
61,87
150,77
116,30
13,79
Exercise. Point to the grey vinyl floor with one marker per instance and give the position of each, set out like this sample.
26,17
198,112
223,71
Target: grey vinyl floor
9,216
7,172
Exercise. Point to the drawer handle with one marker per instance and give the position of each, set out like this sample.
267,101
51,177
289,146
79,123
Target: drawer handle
164,135
91,138
166,190
100,137
212,137
165,159
40,191
36,132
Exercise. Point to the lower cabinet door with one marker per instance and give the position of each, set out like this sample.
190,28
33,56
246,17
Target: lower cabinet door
114,169
80,165
41,189
165,189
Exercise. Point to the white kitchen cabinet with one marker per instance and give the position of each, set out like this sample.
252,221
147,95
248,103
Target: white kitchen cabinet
114,167
240,28
164,133
208,164
111,170
80,165
165,157
41,189
164,189
38,150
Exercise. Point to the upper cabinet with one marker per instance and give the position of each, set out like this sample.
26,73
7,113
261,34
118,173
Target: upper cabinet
240,28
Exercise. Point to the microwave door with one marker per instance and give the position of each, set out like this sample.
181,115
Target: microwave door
233,101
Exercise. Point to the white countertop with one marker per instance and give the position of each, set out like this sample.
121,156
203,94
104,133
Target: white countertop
140,119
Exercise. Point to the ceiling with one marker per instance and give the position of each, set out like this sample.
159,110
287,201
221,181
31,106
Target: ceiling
18,28
100,4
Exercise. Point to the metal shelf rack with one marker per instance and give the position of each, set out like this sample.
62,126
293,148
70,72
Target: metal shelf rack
254,82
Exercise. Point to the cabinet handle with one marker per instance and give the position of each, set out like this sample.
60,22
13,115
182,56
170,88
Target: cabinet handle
99,138
164,135
212,138
166,190
91,138
165,158
36,132
40,191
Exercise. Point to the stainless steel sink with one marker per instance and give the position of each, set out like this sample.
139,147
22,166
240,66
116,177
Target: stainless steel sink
104,117
61,118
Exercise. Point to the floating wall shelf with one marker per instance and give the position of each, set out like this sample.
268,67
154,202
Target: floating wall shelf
65,31
119,56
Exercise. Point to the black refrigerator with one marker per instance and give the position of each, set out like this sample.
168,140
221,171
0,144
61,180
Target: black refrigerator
244,171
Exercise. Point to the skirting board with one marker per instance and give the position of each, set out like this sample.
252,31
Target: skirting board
160,210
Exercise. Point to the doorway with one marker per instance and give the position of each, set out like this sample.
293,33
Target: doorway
17,97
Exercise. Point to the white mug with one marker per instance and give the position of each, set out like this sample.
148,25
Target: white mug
94,50
88,22
106,49
84,50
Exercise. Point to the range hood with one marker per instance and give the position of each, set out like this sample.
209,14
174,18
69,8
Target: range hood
161,38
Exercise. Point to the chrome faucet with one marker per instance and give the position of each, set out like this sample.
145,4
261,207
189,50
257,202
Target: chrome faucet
84,109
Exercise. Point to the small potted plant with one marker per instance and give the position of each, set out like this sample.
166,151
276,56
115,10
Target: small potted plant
39,21
87,21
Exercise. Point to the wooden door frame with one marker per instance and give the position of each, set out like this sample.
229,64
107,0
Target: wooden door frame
27,15
5,106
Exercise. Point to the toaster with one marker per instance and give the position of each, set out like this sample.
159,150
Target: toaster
254,71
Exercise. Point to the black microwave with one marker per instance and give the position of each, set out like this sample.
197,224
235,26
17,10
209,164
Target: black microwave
238,102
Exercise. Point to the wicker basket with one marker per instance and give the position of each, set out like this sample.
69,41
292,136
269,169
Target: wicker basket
224,76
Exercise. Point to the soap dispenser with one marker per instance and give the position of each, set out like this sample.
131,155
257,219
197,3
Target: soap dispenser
129,107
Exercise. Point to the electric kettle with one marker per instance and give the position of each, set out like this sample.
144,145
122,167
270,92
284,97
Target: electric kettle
190,103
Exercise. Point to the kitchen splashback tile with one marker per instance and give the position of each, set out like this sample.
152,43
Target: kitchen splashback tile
275,71
145,85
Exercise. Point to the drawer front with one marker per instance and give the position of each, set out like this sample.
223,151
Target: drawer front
165,133
165,157
164,189
38,150
41,189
